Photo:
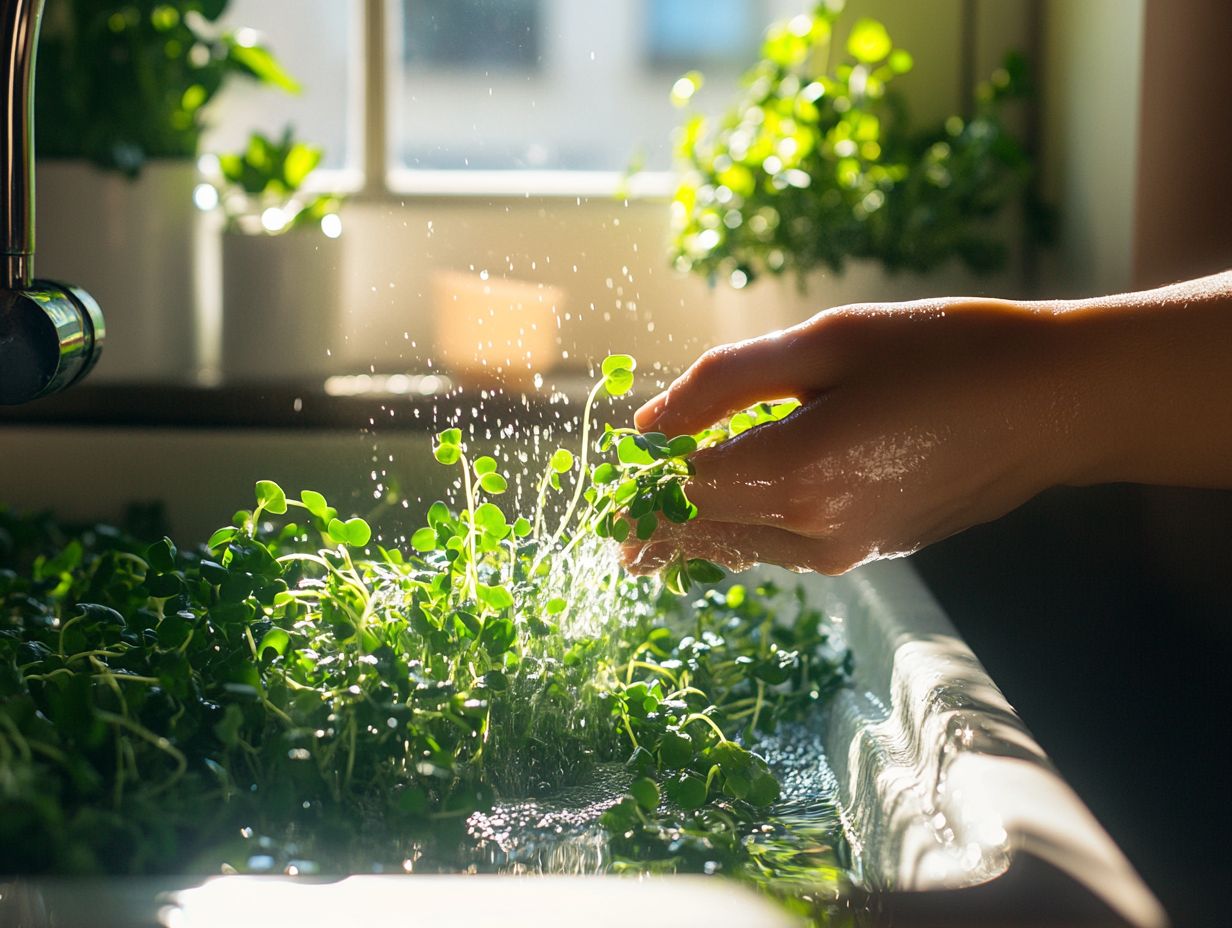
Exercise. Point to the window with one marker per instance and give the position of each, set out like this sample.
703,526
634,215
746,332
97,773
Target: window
477,89
554,85
471,34
690,33
317,42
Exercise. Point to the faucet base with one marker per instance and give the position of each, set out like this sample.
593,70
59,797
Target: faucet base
51,335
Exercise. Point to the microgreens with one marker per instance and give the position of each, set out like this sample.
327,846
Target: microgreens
295,676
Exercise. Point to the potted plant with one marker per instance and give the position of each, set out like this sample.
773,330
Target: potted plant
121,99
281,263
818,166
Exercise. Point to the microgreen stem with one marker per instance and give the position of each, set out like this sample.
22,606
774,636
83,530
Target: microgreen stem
761,699
580,481
654,668
624,718
699,716
472,568
157,741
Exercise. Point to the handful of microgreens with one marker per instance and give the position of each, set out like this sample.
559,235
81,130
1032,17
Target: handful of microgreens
293,677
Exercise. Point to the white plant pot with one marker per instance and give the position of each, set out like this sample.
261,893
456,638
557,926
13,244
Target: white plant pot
281,305
773,303
131,244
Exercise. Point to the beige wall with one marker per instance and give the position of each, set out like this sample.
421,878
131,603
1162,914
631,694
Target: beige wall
1092,51
1184,191
609,257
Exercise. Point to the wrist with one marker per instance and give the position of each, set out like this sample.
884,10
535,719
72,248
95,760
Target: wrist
1149,380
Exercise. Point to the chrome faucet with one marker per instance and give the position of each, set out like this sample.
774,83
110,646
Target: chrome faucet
51,334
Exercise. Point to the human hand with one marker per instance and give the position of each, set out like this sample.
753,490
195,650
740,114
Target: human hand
917,420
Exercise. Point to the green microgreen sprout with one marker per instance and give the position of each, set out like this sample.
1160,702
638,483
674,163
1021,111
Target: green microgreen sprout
296,676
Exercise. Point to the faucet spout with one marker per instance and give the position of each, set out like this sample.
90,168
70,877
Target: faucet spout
51,334
19,29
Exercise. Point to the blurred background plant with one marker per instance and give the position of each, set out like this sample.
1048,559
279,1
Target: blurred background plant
120,83
261,190
818,163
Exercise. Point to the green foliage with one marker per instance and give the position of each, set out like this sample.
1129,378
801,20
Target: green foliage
270,174
121,83
819,162
293,677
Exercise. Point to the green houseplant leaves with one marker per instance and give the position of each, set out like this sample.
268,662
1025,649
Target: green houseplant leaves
819,163
121,83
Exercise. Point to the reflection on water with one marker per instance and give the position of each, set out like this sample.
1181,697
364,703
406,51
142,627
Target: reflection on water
795,854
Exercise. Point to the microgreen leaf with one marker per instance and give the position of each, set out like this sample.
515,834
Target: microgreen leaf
299,671
161,555
615,363
704,571
275,640
493,483
448,448
358,532
618,382
646,792
271,497
630,451
681,445
354,532
315,502
490,518
221,537
646,526
605,473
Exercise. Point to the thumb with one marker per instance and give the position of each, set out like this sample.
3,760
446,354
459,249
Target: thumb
732,377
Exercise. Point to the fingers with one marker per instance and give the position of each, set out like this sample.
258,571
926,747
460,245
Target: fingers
736,547
778,474
729,378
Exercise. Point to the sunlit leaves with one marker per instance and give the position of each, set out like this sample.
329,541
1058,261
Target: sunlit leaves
646,792
493,483
869,42
424,539
297,662
172,60
222,536
271,498
618,373
315,503
490,519
355,531
817,163
448,447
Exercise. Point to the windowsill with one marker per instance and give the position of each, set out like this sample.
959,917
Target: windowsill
402,183
346,403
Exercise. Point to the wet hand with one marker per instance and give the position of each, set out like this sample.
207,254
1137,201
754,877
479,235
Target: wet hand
917,420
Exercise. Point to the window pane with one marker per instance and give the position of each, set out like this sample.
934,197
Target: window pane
557,84
694,32
472,34
315,40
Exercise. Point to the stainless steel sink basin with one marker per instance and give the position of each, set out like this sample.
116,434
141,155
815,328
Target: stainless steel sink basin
953,812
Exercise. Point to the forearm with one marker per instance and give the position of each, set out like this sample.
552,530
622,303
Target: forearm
1152,384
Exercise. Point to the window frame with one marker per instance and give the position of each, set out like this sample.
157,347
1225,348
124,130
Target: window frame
376,176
